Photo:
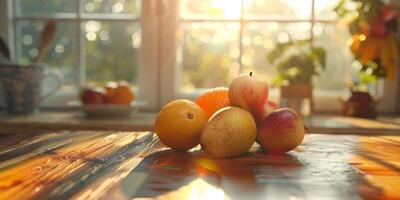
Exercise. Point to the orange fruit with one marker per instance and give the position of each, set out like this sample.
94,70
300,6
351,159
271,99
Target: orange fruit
110,88
179,124
122,94
214,99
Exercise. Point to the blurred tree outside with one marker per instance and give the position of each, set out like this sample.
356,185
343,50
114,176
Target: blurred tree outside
209,54
110,49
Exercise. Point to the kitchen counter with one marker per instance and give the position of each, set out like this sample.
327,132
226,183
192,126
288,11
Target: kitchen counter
135,165
140,121
75,120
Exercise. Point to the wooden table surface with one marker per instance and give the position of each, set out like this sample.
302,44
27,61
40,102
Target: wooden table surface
144,121
134,165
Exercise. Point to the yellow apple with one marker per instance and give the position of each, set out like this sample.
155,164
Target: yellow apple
231,131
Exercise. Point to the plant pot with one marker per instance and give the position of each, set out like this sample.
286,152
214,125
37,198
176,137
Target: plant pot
298,97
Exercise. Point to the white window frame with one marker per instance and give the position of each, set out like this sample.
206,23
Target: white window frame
324,101
158,75
147,84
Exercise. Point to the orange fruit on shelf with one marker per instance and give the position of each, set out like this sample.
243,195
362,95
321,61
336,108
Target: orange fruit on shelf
179,124
110,88
213,99
122,94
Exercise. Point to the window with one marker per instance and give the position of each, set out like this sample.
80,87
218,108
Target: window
235,37
217,40
176,48
95,40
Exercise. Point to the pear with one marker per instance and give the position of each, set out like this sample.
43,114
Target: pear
230,132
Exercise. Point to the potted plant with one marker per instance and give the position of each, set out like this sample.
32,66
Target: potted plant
297,62
373,26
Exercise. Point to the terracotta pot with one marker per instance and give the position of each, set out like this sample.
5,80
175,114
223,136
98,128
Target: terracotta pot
298,97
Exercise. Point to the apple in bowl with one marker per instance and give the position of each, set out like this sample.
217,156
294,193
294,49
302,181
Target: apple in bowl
93,95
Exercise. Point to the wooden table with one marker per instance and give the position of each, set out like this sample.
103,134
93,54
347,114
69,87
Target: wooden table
144,121
126,165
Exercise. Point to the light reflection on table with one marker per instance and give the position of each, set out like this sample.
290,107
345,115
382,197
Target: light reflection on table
126,165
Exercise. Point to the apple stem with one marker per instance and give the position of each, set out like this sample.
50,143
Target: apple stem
251,73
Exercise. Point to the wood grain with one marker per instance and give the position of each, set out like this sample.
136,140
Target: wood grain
135,165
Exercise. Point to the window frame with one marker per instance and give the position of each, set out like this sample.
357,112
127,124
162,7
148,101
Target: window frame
158,75
324,101
146,89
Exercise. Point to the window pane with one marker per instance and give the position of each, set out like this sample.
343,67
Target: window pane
208,55
111,51
325,9
261,37
112,6
285,9
338,70
26,7
62,53
210,9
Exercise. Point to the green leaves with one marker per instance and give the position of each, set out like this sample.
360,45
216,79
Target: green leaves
318,55
296,62
278,51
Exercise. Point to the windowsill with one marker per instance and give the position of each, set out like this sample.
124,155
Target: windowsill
325,101
76,120
144,121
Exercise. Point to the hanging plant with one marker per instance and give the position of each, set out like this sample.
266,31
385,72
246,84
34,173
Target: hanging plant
373,25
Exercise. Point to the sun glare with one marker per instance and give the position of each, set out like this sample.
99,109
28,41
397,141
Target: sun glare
198,189
302,8
230,8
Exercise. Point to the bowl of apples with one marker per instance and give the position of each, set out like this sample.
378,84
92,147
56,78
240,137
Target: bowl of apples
115,99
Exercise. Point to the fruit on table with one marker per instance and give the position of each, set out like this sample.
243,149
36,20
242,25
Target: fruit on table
229,132
122,94
269,107
280,131
93,95
213,100
250,93
179,124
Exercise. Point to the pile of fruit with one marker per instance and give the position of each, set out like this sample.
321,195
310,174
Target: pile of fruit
227,121
112,93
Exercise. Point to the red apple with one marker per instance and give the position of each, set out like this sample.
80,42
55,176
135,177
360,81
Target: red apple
94,95
249,93
280,131
269,107
378,28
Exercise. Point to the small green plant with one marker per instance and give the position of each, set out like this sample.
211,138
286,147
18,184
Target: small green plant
297,62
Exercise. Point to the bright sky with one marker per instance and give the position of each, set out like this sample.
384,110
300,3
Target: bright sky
231,8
